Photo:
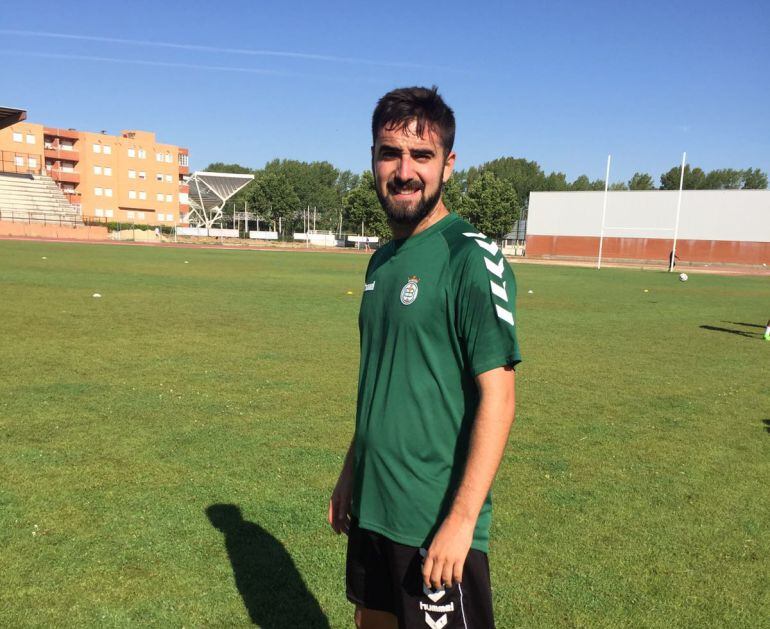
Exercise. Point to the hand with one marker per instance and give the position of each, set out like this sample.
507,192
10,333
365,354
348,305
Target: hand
339,504
443,565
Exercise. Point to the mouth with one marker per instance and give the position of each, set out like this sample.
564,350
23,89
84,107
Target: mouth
407,192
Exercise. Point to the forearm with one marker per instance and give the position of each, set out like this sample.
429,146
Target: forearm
348,462
489,436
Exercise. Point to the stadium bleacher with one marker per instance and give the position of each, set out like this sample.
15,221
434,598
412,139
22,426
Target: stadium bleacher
35,198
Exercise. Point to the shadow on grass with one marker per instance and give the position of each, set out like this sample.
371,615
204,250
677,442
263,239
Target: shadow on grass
272,588
766,422
751,335
748,325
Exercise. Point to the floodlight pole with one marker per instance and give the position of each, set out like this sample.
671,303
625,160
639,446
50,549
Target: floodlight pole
604,211
678,209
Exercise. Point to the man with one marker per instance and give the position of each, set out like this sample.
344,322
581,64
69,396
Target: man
436,389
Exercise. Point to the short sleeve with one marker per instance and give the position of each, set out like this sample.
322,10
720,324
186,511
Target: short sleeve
485,308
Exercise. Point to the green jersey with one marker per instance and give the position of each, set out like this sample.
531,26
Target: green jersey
437,311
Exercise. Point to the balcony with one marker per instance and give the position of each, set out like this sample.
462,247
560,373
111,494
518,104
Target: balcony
184,170
64,177
56,152
69,134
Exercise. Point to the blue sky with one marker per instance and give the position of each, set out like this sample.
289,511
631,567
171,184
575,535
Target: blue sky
563,83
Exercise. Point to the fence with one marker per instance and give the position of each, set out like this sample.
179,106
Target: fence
19,163
41,218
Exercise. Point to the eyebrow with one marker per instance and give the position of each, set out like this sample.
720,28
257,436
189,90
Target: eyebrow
384,148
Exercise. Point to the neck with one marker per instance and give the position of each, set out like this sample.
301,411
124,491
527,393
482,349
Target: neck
404,230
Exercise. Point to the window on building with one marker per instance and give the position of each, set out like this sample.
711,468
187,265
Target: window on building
132,152
142,195
169,158
108,150
32,162
161,217
159,197
17,137
142,154
132,194
142,174
169,179
99,212
30,138
169,217
67,167
108,192
98,192
140,215
67,146
132,174
97,148
108,213
97,170
129,215
18,160
108,171
169,198
184,160
158,176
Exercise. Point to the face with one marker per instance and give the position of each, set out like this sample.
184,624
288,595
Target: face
409,172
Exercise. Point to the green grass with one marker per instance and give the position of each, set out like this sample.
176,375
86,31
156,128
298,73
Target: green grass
634,491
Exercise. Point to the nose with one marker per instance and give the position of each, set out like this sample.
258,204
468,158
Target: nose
405,168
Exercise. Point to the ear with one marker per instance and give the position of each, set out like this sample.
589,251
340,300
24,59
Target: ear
449,165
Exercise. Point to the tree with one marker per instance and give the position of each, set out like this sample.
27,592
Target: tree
723,179
693,179
523,175
641,181
581,183
453,196
618,185
555,182
220,167
346,181
754,179
491,205
361,205
272,198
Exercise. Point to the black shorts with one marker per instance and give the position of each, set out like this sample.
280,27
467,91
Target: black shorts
387,576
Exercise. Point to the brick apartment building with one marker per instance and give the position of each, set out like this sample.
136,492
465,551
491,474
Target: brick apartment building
129,177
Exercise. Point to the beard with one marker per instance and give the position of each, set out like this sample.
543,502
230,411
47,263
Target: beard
402,213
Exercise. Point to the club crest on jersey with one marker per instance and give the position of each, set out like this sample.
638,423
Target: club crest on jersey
410,290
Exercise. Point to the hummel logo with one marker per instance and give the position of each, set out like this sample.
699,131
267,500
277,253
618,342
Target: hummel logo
496,269
368,287
439,623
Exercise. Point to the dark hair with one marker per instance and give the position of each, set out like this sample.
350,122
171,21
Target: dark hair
398,108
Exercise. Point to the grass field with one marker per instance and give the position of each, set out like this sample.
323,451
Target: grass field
168,450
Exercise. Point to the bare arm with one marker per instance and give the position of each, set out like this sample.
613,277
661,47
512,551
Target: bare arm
449,548
339,504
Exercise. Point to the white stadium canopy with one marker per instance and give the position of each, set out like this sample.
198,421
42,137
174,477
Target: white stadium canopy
208,194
